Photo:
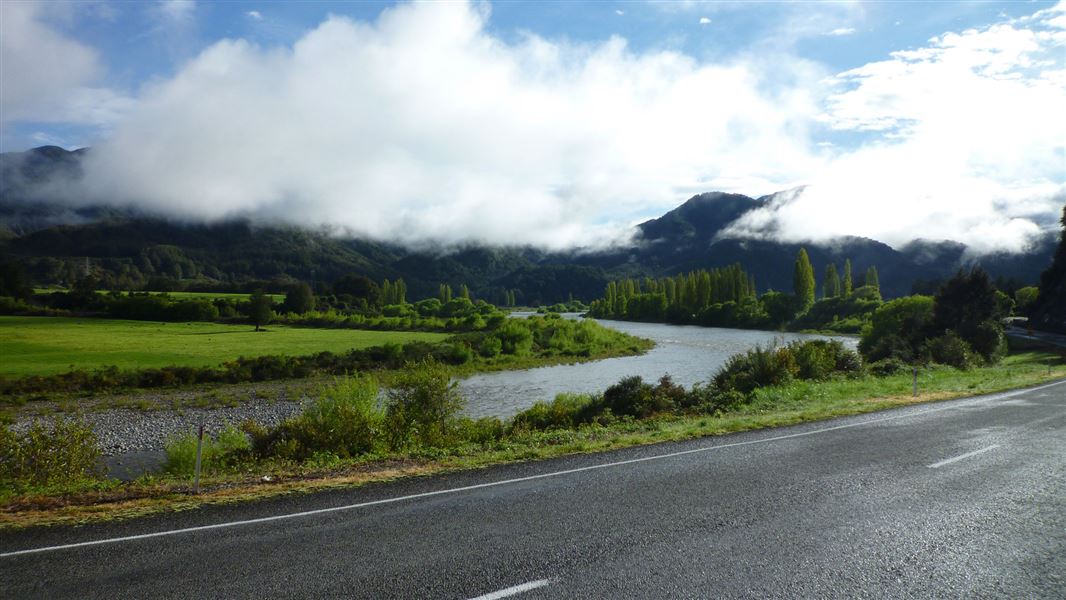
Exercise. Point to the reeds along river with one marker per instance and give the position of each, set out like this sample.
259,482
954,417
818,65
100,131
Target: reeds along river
689,354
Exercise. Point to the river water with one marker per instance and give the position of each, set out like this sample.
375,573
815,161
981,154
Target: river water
689,354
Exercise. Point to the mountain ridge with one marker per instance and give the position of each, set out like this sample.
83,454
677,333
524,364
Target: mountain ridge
132,248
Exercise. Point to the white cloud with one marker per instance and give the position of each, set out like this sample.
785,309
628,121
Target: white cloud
255,15
619,12
841,31
970,145
177,11
705,21
423,125
47,77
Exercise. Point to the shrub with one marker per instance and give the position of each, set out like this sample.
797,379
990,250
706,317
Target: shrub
64,454
950,349
897,329
344,420
422,406
755,368
566,411
887,366
490,347
218,452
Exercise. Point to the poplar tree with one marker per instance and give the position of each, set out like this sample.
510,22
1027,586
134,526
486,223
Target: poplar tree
871,278
847,278
803,280
831,284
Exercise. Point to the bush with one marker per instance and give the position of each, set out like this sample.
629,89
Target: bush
61,455
218,452
950,349
344,420
490,347
755,368
887,366
422,407
897,329
566,411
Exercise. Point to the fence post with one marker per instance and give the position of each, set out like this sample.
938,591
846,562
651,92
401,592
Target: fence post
915,384
199,450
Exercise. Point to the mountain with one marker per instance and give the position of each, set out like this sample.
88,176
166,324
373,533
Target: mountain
52,242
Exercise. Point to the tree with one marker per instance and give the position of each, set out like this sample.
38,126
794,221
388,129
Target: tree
260,309
831,284
1049,310
358,287
847,284
897,329
871,278
445,293
299,299
803,281
1024,299
13,281
967,305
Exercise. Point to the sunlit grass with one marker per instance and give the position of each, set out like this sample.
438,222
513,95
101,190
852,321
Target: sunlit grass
48,345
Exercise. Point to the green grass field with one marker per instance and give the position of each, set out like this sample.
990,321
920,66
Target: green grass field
48,345
180,295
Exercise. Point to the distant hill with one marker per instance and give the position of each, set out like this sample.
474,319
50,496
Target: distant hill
128,249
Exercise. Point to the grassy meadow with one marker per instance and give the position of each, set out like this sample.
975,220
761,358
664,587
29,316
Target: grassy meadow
49,345
180,295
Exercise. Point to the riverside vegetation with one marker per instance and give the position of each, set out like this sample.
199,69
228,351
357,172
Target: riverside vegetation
348,435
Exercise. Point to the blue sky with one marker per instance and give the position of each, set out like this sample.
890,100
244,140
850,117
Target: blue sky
413,120
138,42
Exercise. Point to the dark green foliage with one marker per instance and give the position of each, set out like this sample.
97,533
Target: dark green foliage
758,367
566,411
1049,310
160,307
298,299
631,396
13,281
886,367
64,454
260,309
950,349
967,305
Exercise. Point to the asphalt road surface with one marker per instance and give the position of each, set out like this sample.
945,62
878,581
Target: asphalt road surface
957,499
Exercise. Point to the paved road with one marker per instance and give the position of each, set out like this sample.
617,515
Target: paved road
959,499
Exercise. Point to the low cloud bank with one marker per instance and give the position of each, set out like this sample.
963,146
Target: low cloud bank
424,126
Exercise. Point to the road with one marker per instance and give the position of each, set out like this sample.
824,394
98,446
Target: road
964,498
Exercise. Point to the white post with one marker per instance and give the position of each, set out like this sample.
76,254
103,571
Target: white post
199,450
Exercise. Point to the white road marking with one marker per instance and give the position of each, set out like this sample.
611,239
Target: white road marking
515,590
962,456
320,511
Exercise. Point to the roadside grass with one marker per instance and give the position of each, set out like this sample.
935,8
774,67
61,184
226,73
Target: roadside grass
789,404
50,345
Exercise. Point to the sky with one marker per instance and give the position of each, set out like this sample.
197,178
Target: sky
557,124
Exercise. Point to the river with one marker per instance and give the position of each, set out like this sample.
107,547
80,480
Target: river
689,354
